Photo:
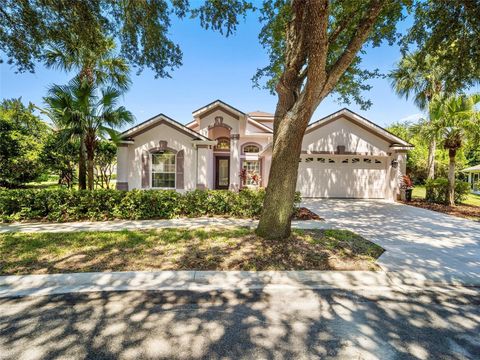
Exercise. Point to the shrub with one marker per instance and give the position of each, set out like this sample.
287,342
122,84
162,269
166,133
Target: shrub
438,191
103,204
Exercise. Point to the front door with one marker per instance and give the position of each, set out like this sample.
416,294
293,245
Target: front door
222,172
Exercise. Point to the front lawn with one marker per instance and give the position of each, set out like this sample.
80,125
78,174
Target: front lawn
469,209
183,249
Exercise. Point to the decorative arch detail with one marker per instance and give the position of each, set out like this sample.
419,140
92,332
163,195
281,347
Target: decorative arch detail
251,143
221,144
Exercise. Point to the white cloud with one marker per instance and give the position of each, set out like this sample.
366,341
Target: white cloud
412,117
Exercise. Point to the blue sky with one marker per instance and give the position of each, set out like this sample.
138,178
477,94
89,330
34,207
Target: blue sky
216,67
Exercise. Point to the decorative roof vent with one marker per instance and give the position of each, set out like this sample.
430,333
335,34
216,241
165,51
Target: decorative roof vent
341,149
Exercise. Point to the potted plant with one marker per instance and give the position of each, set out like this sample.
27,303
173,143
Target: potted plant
406,188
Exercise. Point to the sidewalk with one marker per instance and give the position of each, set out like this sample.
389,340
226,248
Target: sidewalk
360,282
118,225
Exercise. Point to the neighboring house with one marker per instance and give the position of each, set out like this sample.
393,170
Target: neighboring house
473,178
343,155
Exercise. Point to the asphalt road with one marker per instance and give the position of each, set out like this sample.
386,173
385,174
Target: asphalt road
281,324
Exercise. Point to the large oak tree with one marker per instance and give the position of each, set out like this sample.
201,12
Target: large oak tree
315,49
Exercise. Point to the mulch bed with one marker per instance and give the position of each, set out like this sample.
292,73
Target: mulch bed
306,214
464,211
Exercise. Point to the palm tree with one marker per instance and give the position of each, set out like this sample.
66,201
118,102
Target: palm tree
97,65
87,112
423,81
456,120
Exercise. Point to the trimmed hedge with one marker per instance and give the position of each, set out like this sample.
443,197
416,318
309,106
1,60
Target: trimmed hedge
72,205
438,190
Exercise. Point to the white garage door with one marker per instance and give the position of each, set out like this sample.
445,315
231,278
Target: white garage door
342,176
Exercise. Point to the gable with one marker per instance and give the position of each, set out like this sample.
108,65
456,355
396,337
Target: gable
158,120
341,131
218,117
253,126
362,122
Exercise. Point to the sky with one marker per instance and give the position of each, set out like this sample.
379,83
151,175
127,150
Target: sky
215,67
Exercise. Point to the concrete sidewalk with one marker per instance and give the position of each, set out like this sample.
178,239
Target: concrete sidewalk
205,281
119,225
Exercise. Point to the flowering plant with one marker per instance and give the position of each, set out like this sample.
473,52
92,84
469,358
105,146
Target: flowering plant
407,182
254,177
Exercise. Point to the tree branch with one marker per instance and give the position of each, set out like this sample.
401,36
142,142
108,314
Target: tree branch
354,45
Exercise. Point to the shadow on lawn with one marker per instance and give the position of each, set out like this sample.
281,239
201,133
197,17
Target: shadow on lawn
233,325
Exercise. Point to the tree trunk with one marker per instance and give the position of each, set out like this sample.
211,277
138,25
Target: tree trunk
90,169
82,167
90,146
275,222
451,177
431,165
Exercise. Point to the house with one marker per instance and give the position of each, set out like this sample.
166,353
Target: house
473,174
343,155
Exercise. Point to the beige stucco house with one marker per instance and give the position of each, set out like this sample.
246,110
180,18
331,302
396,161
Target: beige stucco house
343,155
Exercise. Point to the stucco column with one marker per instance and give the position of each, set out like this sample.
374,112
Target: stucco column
122,167
202,167
395,174
234,162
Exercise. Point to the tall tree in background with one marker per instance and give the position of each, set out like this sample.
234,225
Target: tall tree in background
22,135
87,112
105,160
423,81
457,121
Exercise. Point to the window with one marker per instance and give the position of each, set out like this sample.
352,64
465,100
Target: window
252,167
378,161
321,160
223,144
355,160
367,161
345,161
310,159
163,170
331,161
251,149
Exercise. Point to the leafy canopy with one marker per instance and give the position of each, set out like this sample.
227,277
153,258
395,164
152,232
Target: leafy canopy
28,28
22,135
447,30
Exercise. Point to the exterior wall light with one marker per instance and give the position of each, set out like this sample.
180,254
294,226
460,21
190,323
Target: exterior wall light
394,164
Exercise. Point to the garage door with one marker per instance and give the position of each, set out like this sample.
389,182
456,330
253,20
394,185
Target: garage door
342,176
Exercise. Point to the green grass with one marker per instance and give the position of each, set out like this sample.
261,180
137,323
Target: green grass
472,199
183,249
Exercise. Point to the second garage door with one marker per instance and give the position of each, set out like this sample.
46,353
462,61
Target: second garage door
342,176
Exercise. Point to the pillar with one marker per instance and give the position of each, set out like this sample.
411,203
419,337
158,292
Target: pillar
122,167
234,162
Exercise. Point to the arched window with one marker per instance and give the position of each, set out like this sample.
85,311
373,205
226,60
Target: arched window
223,144
250,148
163,170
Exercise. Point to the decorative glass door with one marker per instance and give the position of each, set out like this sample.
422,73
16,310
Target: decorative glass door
222,178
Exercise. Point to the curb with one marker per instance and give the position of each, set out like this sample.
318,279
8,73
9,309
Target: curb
208,281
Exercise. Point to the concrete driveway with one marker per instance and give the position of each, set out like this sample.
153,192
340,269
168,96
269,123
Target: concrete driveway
418,242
